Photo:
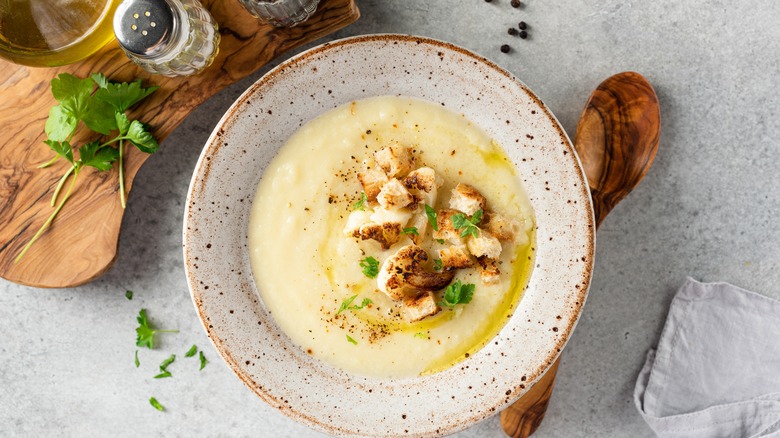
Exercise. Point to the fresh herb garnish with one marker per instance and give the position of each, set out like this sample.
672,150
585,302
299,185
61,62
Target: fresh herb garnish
410,230
350,340
137,362
361,205
129,294
437,264
163,375
145,333
345,305
153,401
468,225
102,112
421,335
164,367
457,293
191,352
203,360
370,267
431,213
441,241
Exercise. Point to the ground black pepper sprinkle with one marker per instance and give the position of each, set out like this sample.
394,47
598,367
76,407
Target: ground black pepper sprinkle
523,34
512,31
505,48
515,3
522,25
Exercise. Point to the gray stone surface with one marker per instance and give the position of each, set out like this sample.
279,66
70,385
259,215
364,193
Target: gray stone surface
708,209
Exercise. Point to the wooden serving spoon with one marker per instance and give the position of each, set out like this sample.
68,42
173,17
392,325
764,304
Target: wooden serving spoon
616,140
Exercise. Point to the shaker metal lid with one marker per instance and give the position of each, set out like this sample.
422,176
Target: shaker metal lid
144,27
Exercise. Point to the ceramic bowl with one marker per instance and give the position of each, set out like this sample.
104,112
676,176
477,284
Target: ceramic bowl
217,258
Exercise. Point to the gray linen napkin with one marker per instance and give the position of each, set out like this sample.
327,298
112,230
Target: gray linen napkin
716,371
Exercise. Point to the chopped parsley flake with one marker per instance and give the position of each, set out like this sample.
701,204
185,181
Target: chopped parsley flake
370,267
361,205
350,340
431,213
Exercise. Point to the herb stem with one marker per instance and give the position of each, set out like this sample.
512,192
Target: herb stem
122,174
49,163
60,184
49,220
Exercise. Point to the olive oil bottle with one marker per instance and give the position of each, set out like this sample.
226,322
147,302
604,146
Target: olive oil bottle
47,33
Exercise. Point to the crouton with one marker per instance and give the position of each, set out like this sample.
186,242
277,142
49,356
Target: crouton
421,307
467,199
372,181
386,233
395,160
357,219
502,227
446,231
455,257
423,184
394,195
488,270
485,244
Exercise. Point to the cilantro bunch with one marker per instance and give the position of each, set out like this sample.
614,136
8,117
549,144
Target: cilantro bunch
103,111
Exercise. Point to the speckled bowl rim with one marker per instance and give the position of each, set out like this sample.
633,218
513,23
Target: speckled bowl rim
193,244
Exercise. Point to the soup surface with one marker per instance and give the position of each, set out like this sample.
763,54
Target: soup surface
309,272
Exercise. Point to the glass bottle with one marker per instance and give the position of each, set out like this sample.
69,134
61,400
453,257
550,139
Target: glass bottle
167,37
48,33
281,13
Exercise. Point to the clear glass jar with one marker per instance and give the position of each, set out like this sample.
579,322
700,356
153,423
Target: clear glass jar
167,37
281,13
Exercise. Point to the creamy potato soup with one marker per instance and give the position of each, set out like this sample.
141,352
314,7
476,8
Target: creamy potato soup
391,237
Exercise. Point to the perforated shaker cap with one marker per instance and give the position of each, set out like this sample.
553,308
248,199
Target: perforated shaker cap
144,27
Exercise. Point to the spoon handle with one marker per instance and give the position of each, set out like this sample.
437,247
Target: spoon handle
616,140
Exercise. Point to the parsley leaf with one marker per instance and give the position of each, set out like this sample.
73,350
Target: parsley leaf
122,123
129,294
164,367
137,362
437,265
431,213
141,138
191,352
364,303
60,124
468,225
410,230
203,360
346,303
62,149
97,156
99,79
370,267
145,333
457,293
121,96
350,340
163,375
153,401
361,205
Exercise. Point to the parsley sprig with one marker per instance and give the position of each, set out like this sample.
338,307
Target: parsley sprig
469,225
145,333
457,293
102,111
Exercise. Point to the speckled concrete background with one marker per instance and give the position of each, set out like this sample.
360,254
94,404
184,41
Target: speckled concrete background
707,209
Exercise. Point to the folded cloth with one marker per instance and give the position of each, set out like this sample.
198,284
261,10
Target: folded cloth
716,371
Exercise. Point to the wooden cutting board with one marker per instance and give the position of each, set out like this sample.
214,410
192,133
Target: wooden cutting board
82,242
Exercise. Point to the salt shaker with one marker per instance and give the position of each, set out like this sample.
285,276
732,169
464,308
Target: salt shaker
281,13
167,37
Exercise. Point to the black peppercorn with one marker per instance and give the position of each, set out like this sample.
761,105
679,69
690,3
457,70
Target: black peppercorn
523,34
505,48
488,1
515,3
522,26
512,31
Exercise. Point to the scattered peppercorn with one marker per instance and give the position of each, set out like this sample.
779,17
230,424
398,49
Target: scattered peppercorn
505,48
515,3
523,34
488,1
512,31
522,26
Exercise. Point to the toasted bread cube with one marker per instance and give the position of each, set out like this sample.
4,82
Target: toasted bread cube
355,221
394,195
455,257
488,270
500,226
423,184
467,199
485,244
372,181
419,308
386,234
395,160
383,216
446,231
